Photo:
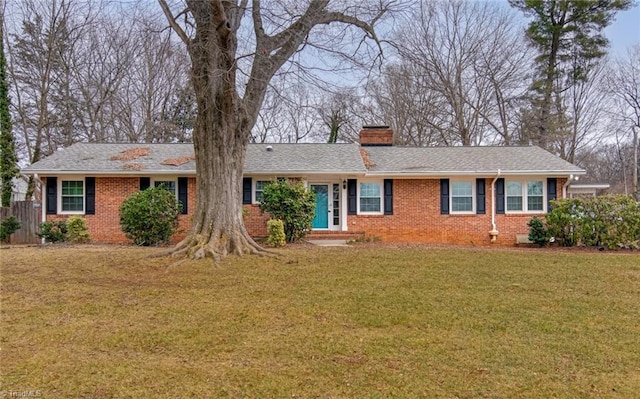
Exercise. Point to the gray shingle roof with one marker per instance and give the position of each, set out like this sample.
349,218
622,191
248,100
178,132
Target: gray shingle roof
283,158
288,159
97,158
303,158
466,160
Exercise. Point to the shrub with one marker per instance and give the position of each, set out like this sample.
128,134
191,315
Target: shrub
276,237
8,226
150,217
77,231
53,231
293,204
537,232
609,221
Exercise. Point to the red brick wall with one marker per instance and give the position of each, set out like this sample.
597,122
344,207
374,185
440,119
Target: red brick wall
416,218
255,222
104,226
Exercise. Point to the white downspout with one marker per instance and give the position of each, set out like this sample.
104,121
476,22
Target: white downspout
564,187
494,230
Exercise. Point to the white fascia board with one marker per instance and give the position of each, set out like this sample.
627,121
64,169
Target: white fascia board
294,173
436,174
144,172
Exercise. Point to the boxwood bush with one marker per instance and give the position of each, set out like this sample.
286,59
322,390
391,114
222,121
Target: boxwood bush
150,217
292,203
609,221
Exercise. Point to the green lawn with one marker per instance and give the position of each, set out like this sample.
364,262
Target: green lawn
359,322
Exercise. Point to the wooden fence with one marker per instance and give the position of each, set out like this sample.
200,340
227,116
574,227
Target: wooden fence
29,214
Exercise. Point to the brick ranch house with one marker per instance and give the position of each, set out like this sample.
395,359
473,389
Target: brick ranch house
456,195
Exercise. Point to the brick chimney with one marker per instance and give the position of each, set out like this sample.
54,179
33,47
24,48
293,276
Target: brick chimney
376,136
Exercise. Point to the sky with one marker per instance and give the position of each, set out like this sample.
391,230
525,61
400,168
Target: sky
624,31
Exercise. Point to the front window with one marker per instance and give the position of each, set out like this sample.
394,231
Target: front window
525,196
514,196
370,198
260,185
72,196
535,200
169,185
461,197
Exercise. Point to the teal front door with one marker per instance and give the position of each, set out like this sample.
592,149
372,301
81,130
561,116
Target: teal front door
321,219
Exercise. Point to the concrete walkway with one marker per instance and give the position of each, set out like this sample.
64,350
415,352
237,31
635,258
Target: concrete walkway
329,243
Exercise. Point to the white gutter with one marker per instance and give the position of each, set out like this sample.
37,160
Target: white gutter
494,230
444,174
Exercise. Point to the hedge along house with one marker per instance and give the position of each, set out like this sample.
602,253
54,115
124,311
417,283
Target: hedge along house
456,195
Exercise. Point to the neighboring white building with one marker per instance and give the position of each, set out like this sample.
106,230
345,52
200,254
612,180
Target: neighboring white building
19,189
586,190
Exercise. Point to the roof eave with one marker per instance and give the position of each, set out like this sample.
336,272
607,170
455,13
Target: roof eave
108,172
478,173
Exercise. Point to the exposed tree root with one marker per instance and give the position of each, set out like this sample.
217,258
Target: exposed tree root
215,246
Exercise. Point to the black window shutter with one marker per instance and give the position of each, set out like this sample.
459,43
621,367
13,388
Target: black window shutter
352,196
90,196
145,183
552,192
444,196
246,190
52,195
500,196
183,193
481,203
388,196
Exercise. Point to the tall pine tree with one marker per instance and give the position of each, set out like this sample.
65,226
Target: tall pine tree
8,159
568,37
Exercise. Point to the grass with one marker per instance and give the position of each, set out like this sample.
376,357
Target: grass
361,322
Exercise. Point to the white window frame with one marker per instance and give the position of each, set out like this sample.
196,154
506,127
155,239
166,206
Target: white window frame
381,185
524,184
84,194
473,197
544,197
173,179
254,188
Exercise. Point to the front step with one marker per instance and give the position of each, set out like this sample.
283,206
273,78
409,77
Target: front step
335,235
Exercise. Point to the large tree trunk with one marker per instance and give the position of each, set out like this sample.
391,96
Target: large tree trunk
224,121
217,226
221,135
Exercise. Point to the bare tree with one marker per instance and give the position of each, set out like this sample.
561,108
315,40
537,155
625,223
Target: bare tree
468,67
300,119
270,118
40,72
226,112
568,38
403,99
625,86
158,71
100,69
342,114
585,104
